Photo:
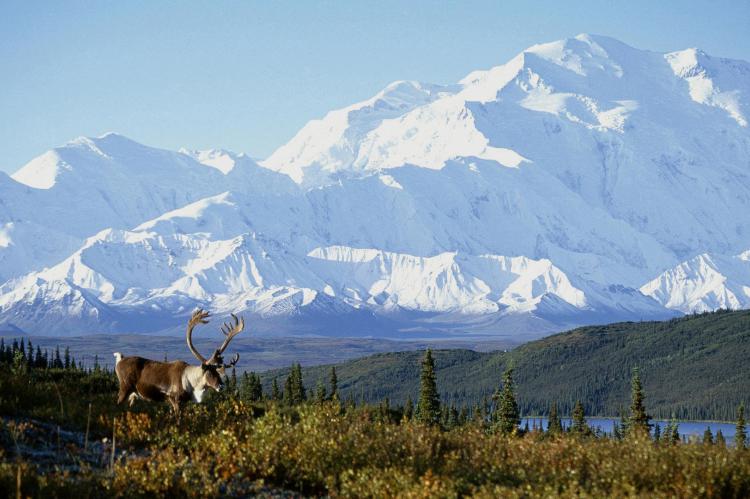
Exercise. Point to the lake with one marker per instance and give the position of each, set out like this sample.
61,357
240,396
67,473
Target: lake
687,429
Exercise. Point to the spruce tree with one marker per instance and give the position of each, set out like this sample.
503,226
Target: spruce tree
298,387
675,429
294,389
668,431
232,386
623,423
287,395
554,425
657,432
639,420
408,409
428,407
30,355
334,382
720,440
245,386
320,392
451,420
275,394
507,417
740,435
579,425
708,437
58,361
39,362
251,389
66,364
616,431
256,391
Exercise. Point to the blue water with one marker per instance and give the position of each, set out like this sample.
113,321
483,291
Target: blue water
689,429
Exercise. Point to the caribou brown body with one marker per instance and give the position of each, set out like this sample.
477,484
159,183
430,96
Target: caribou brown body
176,382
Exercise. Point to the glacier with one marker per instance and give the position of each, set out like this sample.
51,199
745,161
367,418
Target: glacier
582,181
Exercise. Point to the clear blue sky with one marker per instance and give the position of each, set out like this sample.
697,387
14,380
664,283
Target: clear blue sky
247,75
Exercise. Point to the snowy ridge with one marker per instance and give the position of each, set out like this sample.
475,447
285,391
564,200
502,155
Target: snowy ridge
713,82
445,282
331,144
176,272
90,184
704,283
582,181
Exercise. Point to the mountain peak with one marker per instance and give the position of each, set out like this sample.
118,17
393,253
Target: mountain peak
112,136
329,145
588,81
108,138
585,54
42,171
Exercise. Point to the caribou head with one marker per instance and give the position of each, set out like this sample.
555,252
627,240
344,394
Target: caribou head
177,381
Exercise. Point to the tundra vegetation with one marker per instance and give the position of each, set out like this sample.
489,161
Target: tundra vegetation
63,435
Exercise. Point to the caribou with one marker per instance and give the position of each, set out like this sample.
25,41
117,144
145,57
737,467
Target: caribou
177,381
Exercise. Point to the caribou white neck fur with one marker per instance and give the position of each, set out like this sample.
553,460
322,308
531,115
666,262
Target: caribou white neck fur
194,382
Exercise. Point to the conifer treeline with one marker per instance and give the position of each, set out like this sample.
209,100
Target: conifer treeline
499,413
694,367
21,354
250,389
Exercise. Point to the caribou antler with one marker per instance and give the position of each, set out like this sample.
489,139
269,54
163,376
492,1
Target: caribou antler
234,360
198,317
230,331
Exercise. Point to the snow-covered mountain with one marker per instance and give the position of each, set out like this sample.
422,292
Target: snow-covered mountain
50,205
705,282
535,195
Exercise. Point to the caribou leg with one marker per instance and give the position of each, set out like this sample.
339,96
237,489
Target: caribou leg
175,403
123,394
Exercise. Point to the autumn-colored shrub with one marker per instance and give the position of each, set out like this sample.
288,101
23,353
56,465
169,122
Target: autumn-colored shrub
227,447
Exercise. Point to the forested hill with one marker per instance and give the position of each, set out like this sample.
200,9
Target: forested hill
697,367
